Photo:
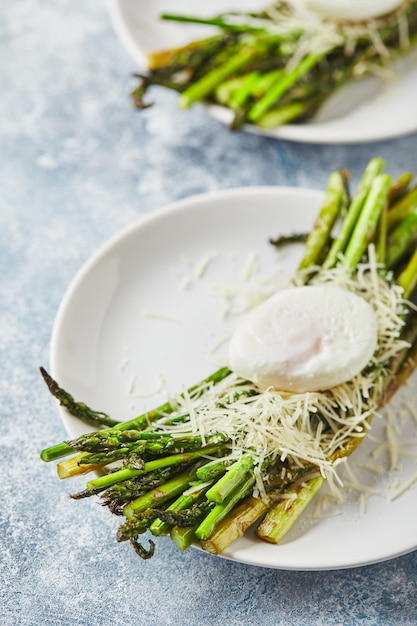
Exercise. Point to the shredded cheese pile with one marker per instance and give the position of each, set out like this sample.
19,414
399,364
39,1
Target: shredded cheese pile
307,32
300,429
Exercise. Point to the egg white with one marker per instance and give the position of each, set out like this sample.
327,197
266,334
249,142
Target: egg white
306,338
352,10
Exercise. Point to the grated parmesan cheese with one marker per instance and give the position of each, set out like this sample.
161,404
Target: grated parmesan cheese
399,489
203,264
250,267
220,342
376,469
411,407
146,393
322,34
123,364
362,502
161,316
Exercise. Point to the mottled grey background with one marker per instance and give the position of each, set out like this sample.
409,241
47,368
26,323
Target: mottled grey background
77,163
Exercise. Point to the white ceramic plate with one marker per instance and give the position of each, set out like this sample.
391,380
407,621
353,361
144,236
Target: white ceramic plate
148,305
363,112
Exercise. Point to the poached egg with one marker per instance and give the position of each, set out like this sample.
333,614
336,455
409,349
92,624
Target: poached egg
307,338
352,10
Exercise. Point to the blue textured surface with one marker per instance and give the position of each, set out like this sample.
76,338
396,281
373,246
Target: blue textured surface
77,163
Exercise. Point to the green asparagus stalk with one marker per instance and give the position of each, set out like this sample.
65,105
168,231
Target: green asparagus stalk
366,225
110,449
161,494
243,93
143,421
408,277
230,92
281,518
121,475
374,167
399,187
219,512
220,21
283,84
335,202
136,525
240,57
184,536
186,518
140,550
231,479
142,521
191,496
402,239
78,409
251,509
213,469
236,523
400,209
277,117
116,496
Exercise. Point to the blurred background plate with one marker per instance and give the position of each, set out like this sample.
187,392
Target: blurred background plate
364,111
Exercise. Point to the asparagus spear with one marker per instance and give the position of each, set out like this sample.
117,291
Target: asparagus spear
402,239
400,209
334,204
219,512
282,516
365,228
184,536
240,57
283,84
121,475
231,479
408,277
161,494
220,21
234,525
116,496
400,186
78,409
187,499
338,246
284,240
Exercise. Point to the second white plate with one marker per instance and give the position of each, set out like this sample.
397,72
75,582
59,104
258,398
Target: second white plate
372,111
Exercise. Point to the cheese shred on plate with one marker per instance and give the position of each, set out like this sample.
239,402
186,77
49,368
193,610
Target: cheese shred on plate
308,427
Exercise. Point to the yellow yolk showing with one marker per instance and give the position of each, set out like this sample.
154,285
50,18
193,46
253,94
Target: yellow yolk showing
352,10
303,339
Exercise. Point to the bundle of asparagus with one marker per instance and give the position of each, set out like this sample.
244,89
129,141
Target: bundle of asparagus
277,66
202,466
